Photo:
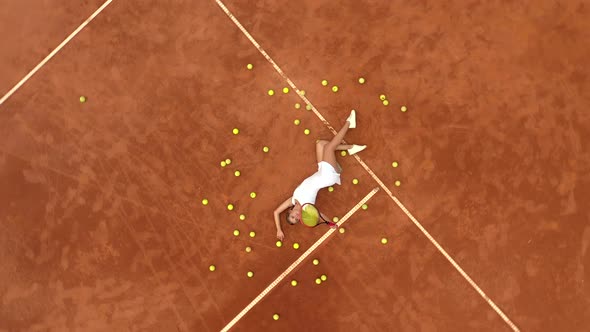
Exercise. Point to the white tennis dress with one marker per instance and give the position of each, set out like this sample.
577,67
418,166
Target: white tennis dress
307,191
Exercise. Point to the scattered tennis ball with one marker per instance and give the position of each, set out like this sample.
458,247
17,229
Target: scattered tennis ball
223,163
253,195
293,283
228,161
236,232
398,183
382,97
324,277
343,153
308,107
335,219
250,274
318,281
316,261
205,201
211,268
384,240
335,88
341,230
82,99
385,102
236,131
265,149
295,245
403,109
237,173
324,82
230,207
242,217
275,316
252,234
285,90
297,106
355,181
249,66
271,92
297,122
330,189
302,92
361,80
306,131
394,164
279,244
365,206
248,249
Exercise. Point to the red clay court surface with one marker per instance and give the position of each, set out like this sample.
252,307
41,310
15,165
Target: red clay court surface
101,222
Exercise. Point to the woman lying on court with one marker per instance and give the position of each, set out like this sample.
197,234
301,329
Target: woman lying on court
328,174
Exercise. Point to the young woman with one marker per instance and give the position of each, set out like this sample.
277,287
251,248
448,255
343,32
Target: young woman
328,174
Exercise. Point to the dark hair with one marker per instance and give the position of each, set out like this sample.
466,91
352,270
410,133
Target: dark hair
287,217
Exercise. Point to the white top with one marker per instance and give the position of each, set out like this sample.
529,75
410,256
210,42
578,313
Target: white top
307,191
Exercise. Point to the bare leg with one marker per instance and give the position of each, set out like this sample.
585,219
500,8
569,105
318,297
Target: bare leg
329,155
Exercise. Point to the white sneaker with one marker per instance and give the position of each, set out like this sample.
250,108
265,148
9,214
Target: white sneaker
356,149
352,119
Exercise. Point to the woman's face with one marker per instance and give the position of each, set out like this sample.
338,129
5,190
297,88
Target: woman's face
295,215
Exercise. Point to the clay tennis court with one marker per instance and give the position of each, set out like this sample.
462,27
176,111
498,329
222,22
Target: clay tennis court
101,222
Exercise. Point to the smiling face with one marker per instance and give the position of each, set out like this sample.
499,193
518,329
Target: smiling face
294,215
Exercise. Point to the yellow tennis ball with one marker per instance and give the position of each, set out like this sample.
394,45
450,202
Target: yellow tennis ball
236,232
295,245
265,149
361,80
341,230
285,90
335,88
403,109
385,102
318,281
249,66
242,217
394,164
228,161
248,249
398,183
324,277
211,268
316,261
302,92
279,244
355,181
250,274
223,163
82,99
306,131
205,201
382,97
308,107
297,122
335,219
236,131
252,234
275,316
237,173
330,189
297,105
343,153
293,283
230,207
271,92
365,206
384,240
324,82
253,194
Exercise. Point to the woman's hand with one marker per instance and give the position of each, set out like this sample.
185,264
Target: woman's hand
280,235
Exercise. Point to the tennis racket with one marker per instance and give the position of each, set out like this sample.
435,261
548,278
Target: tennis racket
311,216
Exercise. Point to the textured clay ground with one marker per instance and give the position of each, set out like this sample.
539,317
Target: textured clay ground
101,222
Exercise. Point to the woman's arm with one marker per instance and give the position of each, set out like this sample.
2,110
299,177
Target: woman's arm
286,204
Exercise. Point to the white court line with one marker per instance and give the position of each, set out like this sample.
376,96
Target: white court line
57,49
381,184
298,261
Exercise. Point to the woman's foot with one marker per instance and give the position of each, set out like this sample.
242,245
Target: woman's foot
352,119
356,149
